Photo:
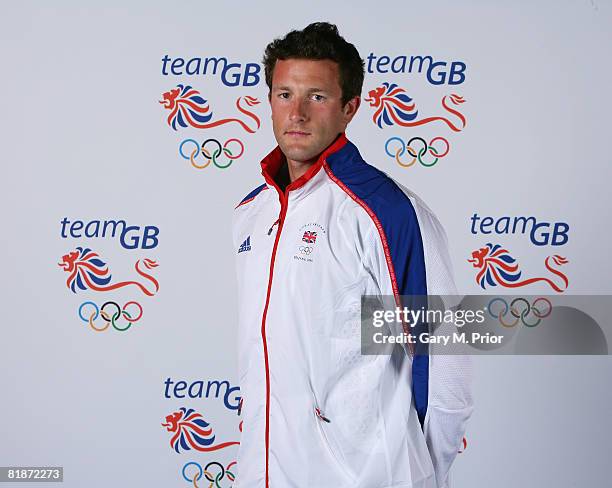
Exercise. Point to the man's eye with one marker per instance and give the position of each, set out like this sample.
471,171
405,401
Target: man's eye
284,95
318,98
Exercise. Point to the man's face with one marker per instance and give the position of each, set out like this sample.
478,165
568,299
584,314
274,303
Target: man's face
307,110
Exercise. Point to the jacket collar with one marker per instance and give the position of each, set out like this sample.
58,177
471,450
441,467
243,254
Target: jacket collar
274,160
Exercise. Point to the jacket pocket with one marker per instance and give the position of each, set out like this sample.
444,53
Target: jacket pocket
328,440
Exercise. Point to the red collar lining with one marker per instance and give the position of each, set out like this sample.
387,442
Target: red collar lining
273,161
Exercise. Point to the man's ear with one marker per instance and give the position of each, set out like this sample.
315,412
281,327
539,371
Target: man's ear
350,108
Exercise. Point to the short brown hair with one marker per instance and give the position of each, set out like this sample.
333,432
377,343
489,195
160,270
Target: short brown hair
319,41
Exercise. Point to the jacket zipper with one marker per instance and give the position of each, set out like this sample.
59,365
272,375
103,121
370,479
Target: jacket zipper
280,221
273,225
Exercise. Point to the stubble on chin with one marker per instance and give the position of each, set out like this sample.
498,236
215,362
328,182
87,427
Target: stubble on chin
298,154
296,151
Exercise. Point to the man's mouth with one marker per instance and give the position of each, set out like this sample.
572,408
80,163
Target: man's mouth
296,133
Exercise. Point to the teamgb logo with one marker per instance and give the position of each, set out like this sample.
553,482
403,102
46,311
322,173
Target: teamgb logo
190,431
394,107
88,272
496,266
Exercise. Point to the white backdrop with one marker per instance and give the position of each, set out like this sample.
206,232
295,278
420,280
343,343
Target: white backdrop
84,138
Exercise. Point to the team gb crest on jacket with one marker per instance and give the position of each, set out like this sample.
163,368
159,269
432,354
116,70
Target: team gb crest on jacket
309,235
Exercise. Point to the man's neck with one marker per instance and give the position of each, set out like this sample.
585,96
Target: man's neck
298,168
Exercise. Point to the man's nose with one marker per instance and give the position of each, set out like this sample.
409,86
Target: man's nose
298,111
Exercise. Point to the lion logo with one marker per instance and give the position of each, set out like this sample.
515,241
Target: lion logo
497,267
394,106
88,271
189,109
191,431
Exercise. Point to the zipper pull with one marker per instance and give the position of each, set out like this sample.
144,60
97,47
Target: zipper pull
320,415
274,224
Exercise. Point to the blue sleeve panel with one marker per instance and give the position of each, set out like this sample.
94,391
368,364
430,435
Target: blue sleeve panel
252,194
398,220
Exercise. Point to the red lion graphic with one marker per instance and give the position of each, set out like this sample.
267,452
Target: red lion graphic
88,271
497,267
188,108
191,431
394,106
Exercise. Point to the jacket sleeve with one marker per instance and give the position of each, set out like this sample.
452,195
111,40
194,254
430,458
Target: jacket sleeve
450,402
441,383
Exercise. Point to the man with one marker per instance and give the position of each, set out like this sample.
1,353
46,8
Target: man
324,229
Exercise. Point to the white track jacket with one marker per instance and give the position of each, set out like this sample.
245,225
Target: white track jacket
317,413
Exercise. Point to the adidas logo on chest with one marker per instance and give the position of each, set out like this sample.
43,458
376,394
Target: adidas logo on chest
245,246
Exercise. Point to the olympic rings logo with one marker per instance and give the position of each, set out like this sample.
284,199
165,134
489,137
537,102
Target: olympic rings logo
204,150
119,312
423,148
306,249
221,472
520,309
